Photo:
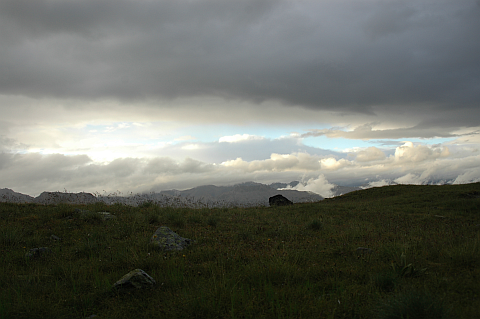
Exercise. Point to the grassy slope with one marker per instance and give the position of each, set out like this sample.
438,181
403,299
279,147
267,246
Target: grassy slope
287,262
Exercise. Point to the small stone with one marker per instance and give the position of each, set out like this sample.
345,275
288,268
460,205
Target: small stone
136,279
55,238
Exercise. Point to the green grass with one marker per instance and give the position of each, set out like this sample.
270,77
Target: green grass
299,261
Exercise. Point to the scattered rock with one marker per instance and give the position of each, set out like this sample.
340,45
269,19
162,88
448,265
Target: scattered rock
279,200
166,239
136,279
38,252
364,251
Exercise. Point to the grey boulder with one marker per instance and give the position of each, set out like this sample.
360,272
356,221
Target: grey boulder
165,239
279,200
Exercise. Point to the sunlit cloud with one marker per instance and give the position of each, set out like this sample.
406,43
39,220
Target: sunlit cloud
318,185
191,147
238,138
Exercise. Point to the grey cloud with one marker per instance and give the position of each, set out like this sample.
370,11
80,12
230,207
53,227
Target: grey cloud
389,18
122,167
44,17
6,143
161,165
41,18
33,173
367,132
321,55
4,127
168,166
190,165
250,150
370,154
36,170
302,162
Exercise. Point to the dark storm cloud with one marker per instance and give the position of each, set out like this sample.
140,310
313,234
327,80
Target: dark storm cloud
337,55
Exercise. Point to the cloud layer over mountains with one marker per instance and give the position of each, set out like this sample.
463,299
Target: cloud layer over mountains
409,164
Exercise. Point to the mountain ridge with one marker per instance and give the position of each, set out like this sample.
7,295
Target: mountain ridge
244,194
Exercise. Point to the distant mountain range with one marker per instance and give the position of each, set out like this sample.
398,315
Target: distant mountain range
244,195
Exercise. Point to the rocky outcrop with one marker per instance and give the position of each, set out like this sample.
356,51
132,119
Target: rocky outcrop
165,239
279,200
9,196
136,279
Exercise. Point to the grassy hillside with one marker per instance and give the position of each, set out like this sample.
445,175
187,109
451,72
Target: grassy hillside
422,254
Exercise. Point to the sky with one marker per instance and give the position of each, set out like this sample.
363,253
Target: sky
132,96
